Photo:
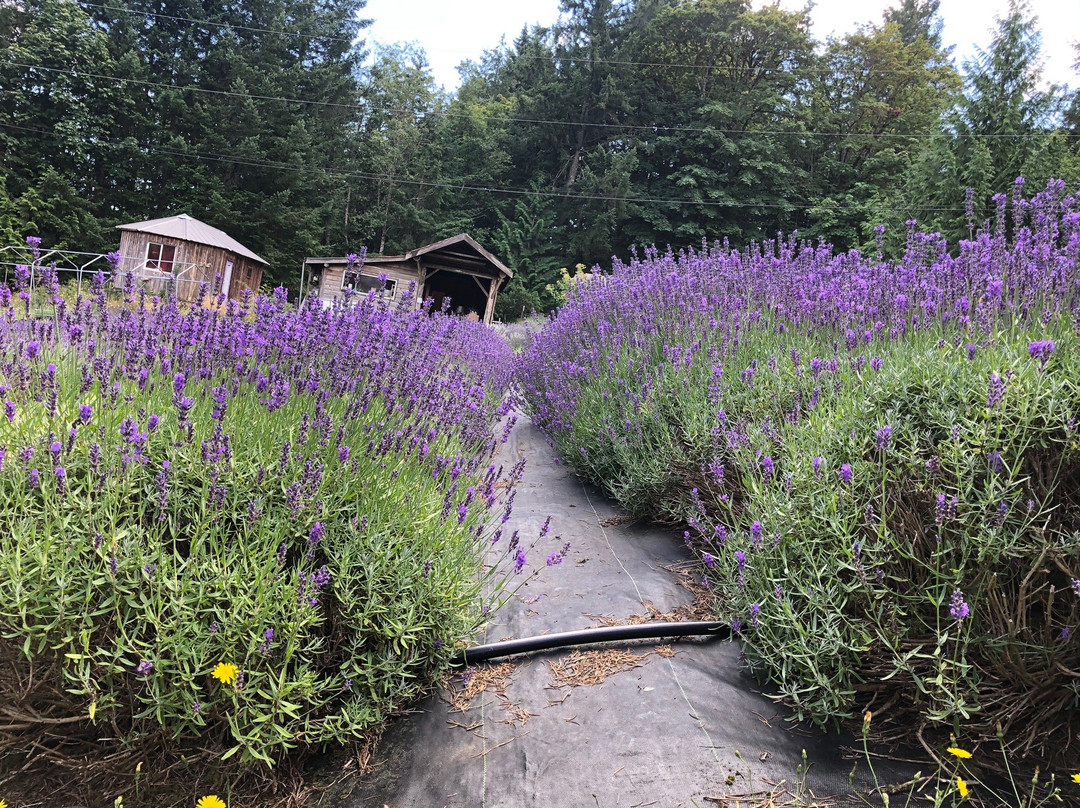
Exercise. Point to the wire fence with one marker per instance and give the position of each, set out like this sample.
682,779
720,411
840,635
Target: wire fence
76,268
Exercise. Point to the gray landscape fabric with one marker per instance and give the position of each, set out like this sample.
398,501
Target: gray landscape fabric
683,724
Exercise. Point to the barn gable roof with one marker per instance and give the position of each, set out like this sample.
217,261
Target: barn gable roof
189,229
461,248
461,252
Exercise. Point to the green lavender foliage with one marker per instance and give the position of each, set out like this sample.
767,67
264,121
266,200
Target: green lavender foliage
877,463
306,500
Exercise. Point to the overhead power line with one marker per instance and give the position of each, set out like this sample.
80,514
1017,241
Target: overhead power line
517,119
457,186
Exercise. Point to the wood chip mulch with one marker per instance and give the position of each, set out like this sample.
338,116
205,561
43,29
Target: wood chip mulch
593,667
474,681
702,608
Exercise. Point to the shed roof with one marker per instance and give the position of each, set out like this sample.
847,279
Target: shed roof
190,229
458,248
457,252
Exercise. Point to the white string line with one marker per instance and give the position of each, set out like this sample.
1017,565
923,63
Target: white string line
483,743
693,710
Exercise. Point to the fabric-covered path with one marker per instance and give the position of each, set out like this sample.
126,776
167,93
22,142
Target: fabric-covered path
669,724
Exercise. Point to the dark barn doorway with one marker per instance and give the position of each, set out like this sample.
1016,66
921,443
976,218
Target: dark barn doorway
463,294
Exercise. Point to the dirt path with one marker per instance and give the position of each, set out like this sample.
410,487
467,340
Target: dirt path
679,724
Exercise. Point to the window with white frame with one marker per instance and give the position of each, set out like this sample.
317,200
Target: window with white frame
160,256
363,284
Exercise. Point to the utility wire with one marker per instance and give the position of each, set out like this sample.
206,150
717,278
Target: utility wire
556,57
457,186
364,108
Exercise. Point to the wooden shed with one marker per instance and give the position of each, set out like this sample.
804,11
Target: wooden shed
179,252
456,272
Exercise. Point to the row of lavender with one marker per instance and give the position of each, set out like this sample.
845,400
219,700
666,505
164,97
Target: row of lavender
244,527
877,463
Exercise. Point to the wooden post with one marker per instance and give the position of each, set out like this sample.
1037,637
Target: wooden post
421,273
493,291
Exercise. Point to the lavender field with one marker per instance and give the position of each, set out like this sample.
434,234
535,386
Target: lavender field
237,530
877,462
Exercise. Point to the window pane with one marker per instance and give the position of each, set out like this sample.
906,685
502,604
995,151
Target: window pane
365,283
168,254
160,256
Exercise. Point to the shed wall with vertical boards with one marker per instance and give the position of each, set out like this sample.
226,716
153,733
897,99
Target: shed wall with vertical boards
194,262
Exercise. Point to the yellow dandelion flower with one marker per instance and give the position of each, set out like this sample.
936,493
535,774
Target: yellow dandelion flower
1076,778
963,754
211,801
3,804
961,786
225,672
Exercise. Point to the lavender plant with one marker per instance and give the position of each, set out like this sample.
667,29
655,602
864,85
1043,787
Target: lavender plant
876,462
245,528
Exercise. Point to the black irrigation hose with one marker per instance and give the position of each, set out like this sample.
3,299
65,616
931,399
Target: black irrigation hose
642,631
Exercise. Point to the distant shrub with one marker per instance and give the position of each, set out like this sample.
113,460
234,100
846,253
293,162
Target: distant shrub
519,335
515,303
243,530
568,284
877,463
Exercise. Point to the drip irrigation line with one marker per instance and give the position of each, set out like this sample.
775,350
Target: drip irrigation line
499,118
544,642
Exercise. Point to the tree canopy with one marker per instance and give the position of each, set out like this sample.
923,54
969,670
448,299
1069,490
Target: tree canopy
626,124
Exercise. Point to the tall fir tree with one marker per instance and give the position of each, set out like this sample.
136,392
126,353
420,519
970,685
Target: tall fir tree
234,113
880,93
1006,125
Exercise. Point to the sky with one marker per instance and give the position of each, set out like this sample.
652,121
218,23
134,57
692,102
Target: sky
451,31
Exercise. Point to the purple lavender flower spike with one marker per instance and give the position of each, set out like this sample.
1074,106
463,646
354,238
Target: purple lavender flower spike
958,607
881,438
1041,350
